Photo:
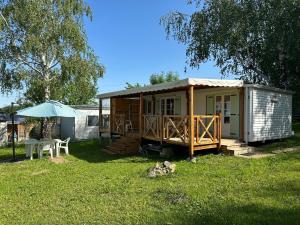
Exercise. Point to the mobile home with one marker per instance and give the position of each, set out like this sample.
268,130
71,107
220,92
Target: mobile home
199,113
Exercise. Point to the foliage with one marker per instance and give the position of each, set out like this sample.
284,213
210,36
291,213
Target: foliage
136,85
257,40
43,49
157,78
94,188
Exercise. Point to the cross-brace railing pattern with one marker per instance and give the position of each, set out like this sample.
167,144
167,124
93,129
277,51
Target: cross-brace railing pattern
207,129
152,126
119,123
175,128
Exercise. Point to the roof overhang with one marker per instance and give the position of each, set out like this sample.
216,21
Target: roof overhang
175,85
268,88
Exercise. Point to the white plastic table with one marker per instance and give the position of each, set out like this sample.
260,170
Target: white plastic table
32,144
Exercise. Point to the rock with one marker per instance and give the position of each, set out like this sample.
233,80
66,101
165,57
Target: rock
194,160
167,163
161,170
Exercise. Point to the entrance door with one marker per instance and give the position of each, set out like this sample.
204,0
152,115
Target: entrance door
234,116
228,106
223,107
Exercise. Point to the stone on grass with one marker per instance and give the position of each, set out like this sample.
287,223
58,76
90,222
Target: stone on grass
161,170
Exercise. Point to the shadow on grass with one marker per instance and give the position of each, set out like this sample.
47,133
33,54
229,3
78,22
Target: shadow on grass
92,151
290,142
238,214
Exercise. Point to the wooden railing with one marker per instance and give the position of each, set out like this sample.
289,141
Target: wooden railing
118,123
207,129
152,126
175,128
104,123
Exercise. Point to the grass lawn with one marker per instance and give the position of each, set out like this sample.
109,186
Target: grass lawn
94,188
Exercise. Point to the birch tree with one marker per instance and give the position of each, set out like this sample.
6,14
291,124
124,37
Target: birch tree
44,49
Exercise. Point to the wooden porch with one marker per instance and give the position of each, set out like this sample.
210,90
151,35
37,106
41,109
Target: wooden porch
197,132
176,130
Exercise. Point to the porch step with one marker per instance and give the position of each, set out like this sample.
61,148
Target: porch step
239,150
123,146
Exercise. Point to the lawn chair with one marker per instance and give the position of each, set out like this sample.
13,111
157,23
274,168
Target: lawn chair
45,146
63,145
128,126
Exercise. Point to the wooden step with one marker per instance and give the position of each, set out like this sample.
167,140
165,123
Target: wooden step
124,145
110,152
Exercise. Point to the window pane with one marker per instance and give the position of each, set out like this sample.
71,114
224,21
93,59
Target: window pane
162,106
149,107
218,104
227,109
170,106
93,121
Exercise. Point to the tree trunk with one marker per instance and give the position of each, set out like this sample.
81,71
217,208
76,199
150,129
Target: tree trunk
46,125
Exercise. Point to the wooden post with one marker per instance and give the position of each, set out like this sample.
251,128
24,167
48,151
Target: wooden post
220,131
141,113
191,116
100,116
111,117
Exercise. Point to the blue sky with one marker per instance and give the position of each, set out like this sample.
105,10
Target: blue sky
131,44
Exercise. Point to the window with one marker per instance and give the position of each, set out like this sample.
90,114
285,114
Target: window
170,106
92,121
162,106
149,107
218,104
227,109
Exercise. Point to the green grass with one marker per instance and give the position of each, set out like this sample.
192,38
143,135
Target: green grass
93,188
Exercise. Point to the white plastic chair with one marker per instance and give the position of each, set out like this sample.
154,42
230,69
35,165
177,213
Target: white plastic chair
45,146
128,126
63,145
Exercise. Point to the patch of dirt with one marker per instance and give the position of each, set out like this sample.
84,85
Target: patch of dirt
59,160
256,155
286,150
40,172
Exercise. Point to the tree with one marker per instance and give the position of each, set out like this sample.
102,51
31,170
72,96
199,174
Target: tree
162,77
130,86
257,40
43,49
157,78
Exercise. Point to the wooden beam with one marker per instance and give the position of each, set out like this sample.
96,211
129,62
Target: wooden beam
141,114
111,117
191,117
100,116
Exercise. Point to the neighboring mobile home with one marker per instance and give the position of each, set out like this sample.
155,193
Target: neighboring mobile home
85,125
21,129
206,109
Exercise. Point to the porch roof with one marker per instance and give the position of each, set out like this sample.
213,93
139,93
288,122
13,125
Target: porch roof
174,85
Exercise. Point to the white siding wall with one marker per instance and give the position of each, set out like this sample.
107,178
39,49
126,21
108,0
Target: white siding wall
82,130
270,115
3,132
